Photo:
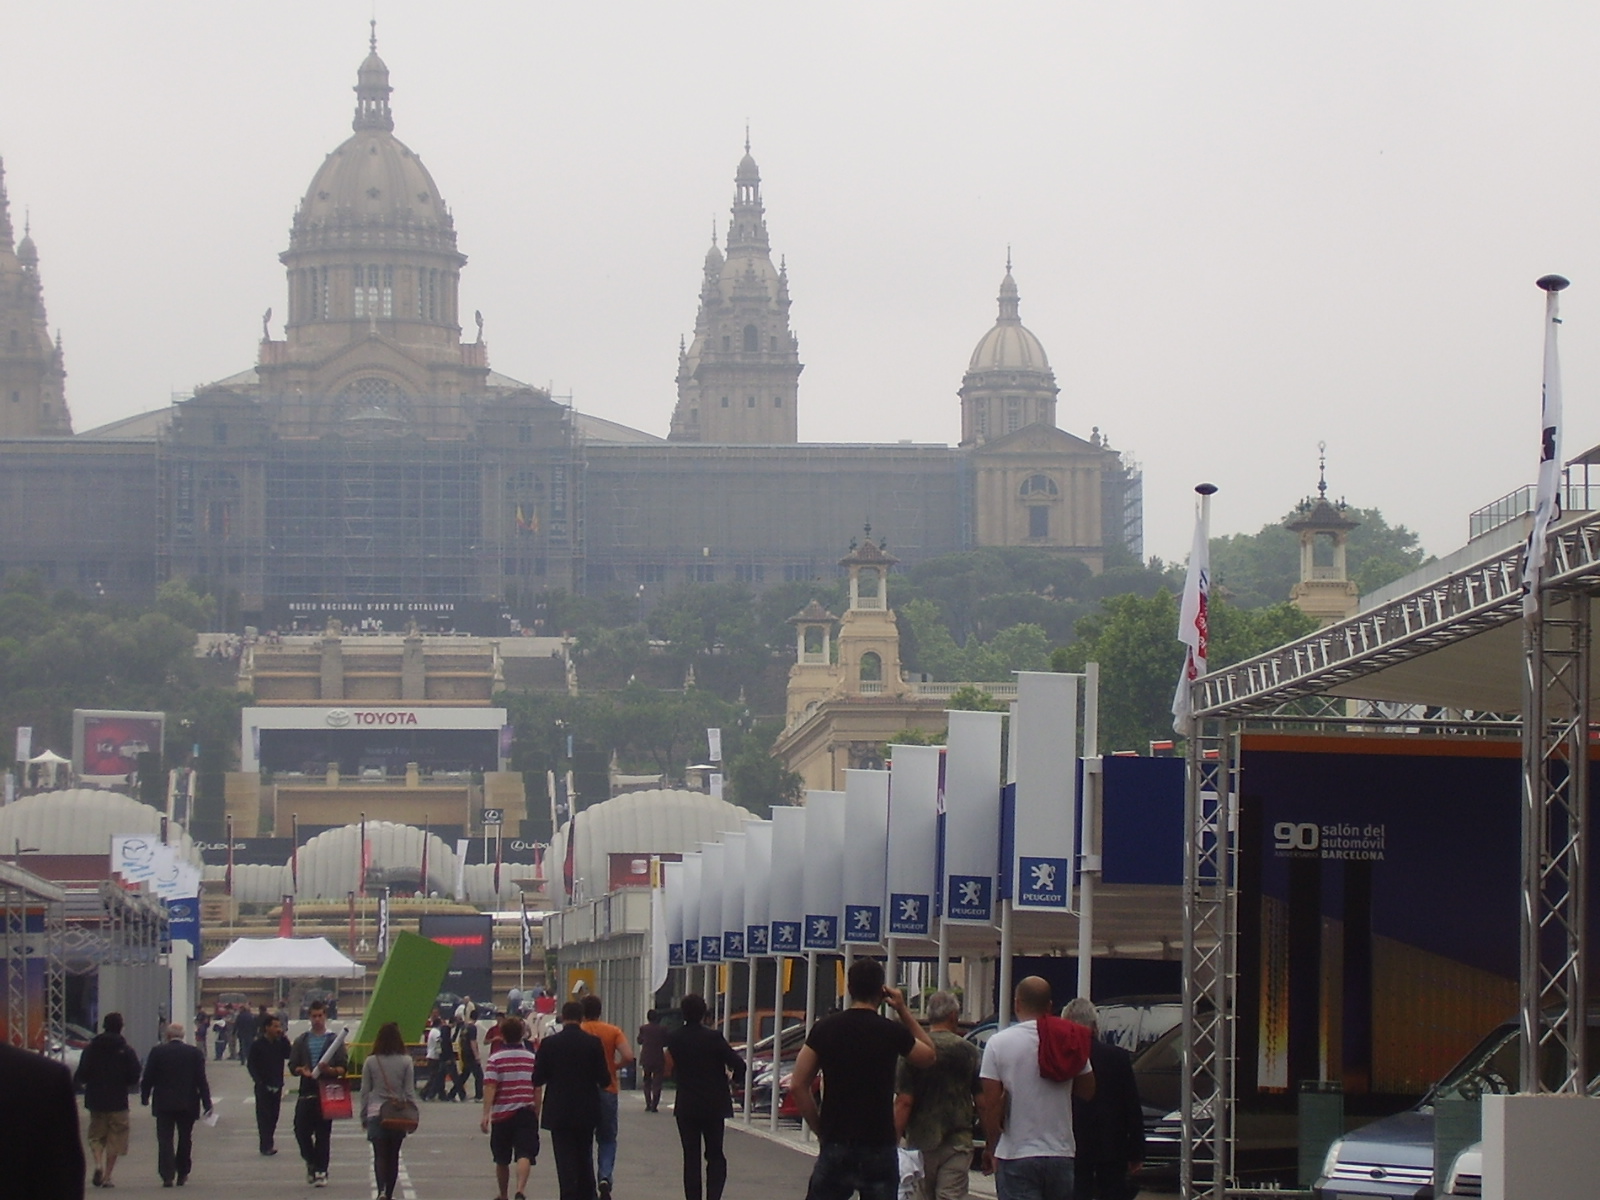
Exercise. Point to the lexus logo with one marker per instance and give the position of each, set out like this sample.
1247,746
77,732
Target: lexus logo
338,717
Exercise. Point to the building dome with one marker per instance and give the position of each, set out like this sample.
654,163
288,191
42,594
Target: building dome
82,821
1009,346
374,183
644,823
748,172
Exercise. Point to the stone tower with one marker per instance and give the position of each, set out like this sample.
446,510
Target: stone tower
1009,383
1325,590
738,382
374,326
33,400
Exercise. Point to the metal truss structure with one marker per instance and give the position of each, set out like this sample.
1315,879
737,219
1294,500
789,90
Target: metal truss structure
32,924
1289,684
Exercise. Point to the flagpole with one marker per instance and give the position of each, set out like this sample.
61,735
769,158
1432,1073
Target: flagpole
811,1019
1089,852
1194,622
751,1032
778,962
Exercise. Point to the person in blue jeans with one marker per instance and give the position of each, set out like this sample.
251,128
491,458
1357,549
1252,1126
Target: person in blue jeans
857,1052
1027,1119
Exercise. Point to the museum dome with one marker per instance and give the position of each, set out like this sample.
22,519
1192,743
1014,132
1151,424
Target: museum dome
1009,346
374,181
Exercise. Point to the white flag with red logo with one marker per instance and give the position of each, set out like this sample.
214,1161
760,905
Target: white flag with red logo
1547,496
1193,622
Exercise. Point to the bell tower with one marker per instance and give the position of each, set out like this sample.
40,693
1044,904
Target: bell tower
738,381
869,636
32,374
1325,590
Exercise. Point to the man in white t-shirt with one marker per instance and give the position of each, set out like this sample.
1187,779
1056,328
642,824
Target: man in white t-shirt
1027,1119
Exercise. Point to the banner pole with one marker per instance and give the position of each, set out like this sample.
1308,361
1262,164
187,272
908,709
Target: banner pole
778,963
1089,852
811,1019
891,968
943,974
1004,1012
751,1036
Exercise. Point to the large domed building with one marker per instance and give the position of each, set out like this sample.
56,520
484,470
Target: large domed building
373,461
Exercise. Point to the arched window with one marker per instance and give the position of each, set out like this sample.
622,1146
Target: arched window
867,584
871,667
1039,485
752,339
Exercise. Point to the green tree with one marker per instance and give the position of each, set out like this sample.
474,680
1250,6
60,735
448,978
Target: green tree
970,698
755,779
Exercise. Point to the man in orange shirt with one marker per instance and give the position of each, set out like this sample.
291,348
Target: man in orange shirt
618,1055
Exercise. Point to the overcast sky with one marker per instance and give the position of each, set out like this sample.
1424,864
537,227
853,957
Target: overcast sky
1238,228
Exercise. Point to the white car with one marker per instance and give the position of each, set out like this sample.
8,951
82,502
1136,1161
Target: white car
1466,1173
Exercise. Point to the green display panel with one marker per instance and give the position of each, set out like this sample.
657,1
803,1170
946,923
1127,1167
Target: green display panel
405,991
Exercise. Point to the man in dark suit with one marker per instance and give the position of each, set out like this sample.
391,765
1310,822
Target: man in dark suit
41,1155
175,1088
700,1060
571,1068
1109,1128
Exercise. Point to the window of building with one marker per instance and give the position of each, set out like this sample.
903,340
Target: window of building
752,339
867,585
524,434
219,432
727,342
1013,414
983,420
359,297
777,402
814,639
1039,485
702,573
16,397
13,339
1038,521
797,572
750,572
388,292
871,667
750,402
772,344
724,402
650,573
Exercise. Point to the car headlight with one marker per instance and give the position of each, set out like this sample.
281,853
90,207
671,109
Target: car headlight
1332,1159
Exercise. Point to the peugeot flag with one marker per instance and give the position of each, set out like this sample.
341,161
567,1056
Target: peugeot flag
1044,749
712,855
972,817
757,886
733,897
866,852
824,870
913,839
786,897
672,883
691,909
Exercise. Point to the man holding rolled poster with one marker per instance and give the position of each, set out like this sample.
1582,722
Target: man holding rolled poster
317,1055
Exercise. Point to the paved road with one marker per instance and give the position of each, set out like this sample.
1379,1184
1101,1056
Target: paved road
446,1159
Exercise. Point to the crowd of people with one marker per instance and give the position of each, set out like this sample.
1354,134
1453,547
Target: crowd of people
894,1105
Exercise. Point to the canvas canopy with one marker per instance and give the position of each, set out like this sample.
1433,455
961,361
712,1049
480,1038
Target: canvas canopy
50,758
281,958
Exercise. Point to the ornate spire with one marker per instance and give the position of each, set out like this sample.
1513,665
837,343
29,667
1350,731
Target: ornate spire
5,209
372,91
1009,301
1322,470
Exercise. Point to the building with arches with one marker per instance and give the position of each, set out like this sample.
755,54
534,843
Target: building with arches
372,455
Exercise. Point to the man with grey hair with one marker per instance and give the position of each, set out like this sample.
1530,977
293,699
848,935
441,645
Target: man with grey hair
174,1086
934,1107
1109,1126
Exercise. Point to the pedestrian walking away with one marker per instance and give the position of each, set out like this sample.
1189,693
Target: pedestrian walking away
244,1032
312,1131
700,1060
471,1067
652,1041
220,1028
387,1076
1108,1127
268,1055
511,1107
1027,1115
174,1086
936,1106
442,1037
618,1055
107,1072
571,1068
856,1052
41,1155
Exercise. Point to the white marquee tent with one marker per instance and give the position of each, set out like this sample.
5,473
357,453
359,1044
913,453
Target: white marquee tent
282,958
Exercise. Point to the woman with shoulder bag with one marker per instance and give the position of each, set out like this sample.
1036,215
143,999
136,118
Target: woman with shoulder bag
388,1104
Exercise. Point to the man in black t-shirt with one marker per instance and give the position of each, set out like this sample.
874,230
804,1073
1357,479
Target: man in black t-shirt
856,1052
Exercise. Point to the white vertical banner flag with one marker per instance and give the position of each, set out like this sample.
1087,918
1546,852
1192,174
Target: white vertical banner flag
757,887
672,883
691,909
733,897
461,870
24,745
823,889
660,956
1044,750
786,897
1547,495
714,745
866,855
972,817
1194,621
714,784
712,856
913,839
